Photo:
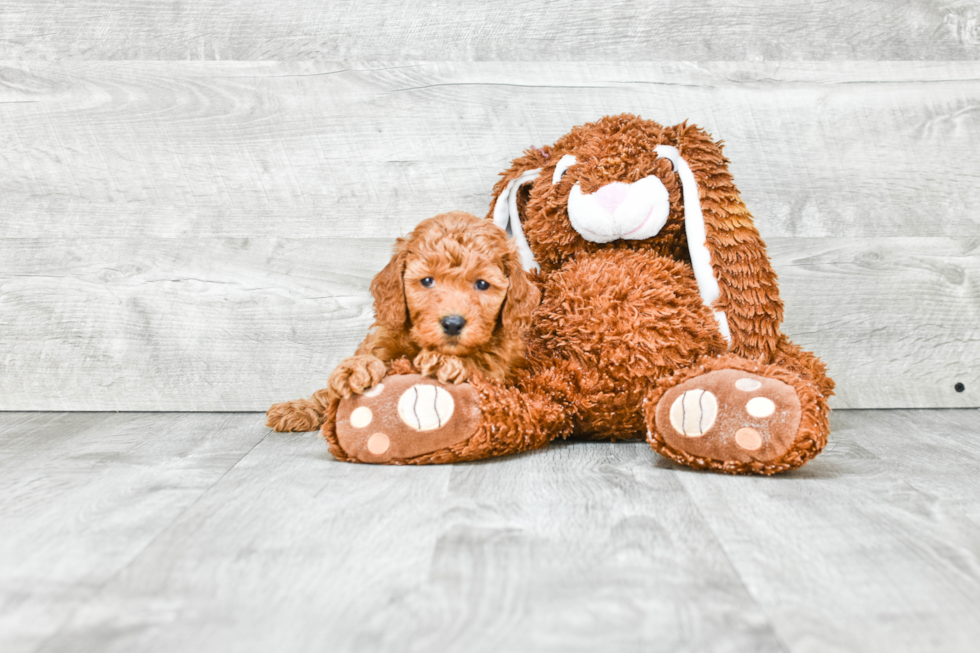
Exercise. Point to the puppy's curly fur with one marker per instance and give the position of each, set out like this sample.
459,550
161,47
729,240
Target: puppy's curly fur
455,266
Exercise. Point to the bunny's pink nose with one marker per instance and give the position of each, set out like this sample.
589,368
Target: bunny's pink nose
612,195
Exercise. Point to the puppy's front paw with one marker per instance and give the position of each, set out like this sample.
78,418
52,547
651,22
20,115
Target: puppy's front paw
356,374
402,366
448,369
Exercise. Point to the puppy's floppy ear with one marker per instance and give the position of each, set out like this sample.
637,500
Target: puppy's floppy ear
522,295
390,307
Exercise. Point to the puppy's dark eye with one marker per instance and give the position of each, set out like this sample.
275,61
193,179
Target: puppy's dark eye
428,282
482,285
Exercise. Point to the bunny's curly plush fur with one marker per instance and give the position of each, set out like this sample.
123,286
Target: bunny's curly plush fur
660,319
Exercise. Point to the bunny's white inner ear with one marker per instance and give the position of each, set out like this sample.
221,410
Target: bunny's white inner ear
697,236
507,217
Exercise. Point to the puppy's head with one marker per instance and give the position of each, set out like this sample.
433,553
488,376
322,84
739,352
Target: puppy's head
455,283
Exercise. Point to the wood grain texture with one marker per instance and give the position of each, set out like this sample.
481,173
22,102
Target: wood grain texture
897,320
200,236
178,324
82,495
218,535
874,545
238,324
471,30
105,149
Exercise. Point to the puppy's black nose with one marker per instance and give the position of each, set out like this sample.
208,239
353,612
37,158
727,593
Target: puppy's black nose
452,324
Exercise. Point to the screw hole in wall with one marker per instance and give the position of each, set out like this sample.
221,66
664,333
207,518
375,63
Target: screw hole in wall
959,387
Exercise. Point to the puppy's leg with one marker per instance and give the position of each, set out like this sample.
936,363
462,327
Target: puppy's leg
356,374
300,414
448,369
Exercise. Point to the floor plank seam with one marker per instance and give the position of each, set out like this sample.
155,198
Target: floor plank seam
755,600
110,579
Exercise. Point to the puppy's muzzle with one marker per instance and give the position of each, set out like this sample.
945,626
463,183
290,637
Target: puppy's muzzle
452,325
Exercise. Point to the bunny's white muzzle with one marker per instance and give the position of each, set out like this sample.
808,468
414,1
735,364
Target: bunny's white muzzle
620,211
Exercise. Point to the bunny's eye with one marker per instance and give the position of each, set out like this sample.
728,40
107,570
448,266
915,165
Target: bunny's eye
482,285
428,282
564,164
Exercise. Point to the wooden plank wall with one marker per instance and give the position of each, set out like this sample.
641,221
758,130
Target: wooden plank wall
183,233
468,30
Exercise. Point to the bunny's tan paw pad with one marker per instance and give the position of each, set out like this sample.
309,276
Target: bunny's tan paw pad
406,416
729,416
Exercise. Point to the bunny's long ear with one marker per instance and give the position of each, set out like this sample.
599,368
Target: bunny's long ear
729,256
507,216
504,210
704,273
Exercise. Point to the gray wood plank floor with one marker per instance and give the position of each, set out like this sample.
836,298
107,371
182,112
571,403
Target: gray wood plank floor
206,532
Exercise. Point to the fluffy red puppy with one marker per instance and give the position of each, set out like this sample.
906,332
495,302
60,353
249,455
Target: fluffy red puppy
452,304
